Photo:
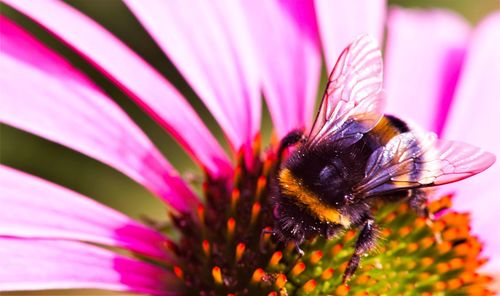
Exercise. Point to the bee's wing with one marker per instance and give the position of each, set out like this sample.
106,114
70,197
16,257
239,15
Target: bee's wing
353,102
416,159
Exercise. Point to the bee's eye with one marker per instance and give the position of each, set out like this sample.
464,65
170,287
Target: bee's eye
327,173
331,171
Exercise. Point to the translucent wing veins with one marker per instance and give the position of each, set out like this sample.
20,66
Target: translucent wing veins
416,159
354,92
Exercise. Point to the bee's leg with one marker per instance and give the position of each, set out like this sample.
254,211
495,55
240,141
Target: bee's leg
365,242
418,201
262,241
266,231
298,249
290,139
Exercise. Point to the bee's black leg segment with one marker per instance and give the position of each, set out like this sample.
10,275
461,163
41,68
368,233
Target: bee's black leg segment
299,250
290,139
261,241
365,242
351,268
418,201
266,231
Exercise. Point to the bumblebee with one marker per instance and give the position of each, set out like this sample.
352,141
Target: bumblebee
354,155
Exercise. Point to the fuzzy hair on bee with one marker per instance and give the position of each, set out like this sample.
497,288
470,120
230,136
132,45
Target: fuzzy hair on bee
355,154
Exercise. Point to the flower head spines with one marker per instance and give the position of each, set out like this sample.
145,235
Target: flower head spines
252,261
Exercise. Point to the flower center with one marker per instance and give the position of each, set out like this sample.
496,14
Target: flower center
227,248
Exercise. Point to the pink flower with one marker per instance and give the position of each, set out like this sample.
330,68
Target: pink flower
439,73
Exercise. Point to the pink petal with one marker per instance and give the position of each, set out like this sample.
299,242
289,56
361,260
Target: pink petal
30,264
340,22
287,45
145,85
45,95
209,44
474,119
424,54
32,207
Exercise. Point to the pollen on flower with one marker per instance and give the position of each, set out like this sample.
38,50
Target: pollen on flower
298,269
280,281
275,258
178,272
206,247
240,248
217,275
255,212
235,196
258,274
228,247
231,225
327,274
342,290
315,257
309,286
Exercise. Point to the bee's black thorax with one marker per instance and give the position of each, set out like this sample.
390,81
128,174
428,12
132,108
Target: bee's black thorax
330,171
316,182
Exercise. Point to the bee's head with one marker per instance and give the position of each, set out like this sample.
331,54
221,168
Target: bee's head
332,186
294,191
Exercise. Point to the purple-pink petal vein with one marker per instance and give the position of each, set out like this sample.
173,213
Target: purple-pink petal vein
45,95
424,55
285,38
209,43
340,22
145,85
35,208
32,264
474,118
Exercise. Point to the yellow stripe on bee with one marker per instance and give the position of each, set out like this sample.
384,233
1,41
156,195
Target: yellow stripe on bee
292,186
385,131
